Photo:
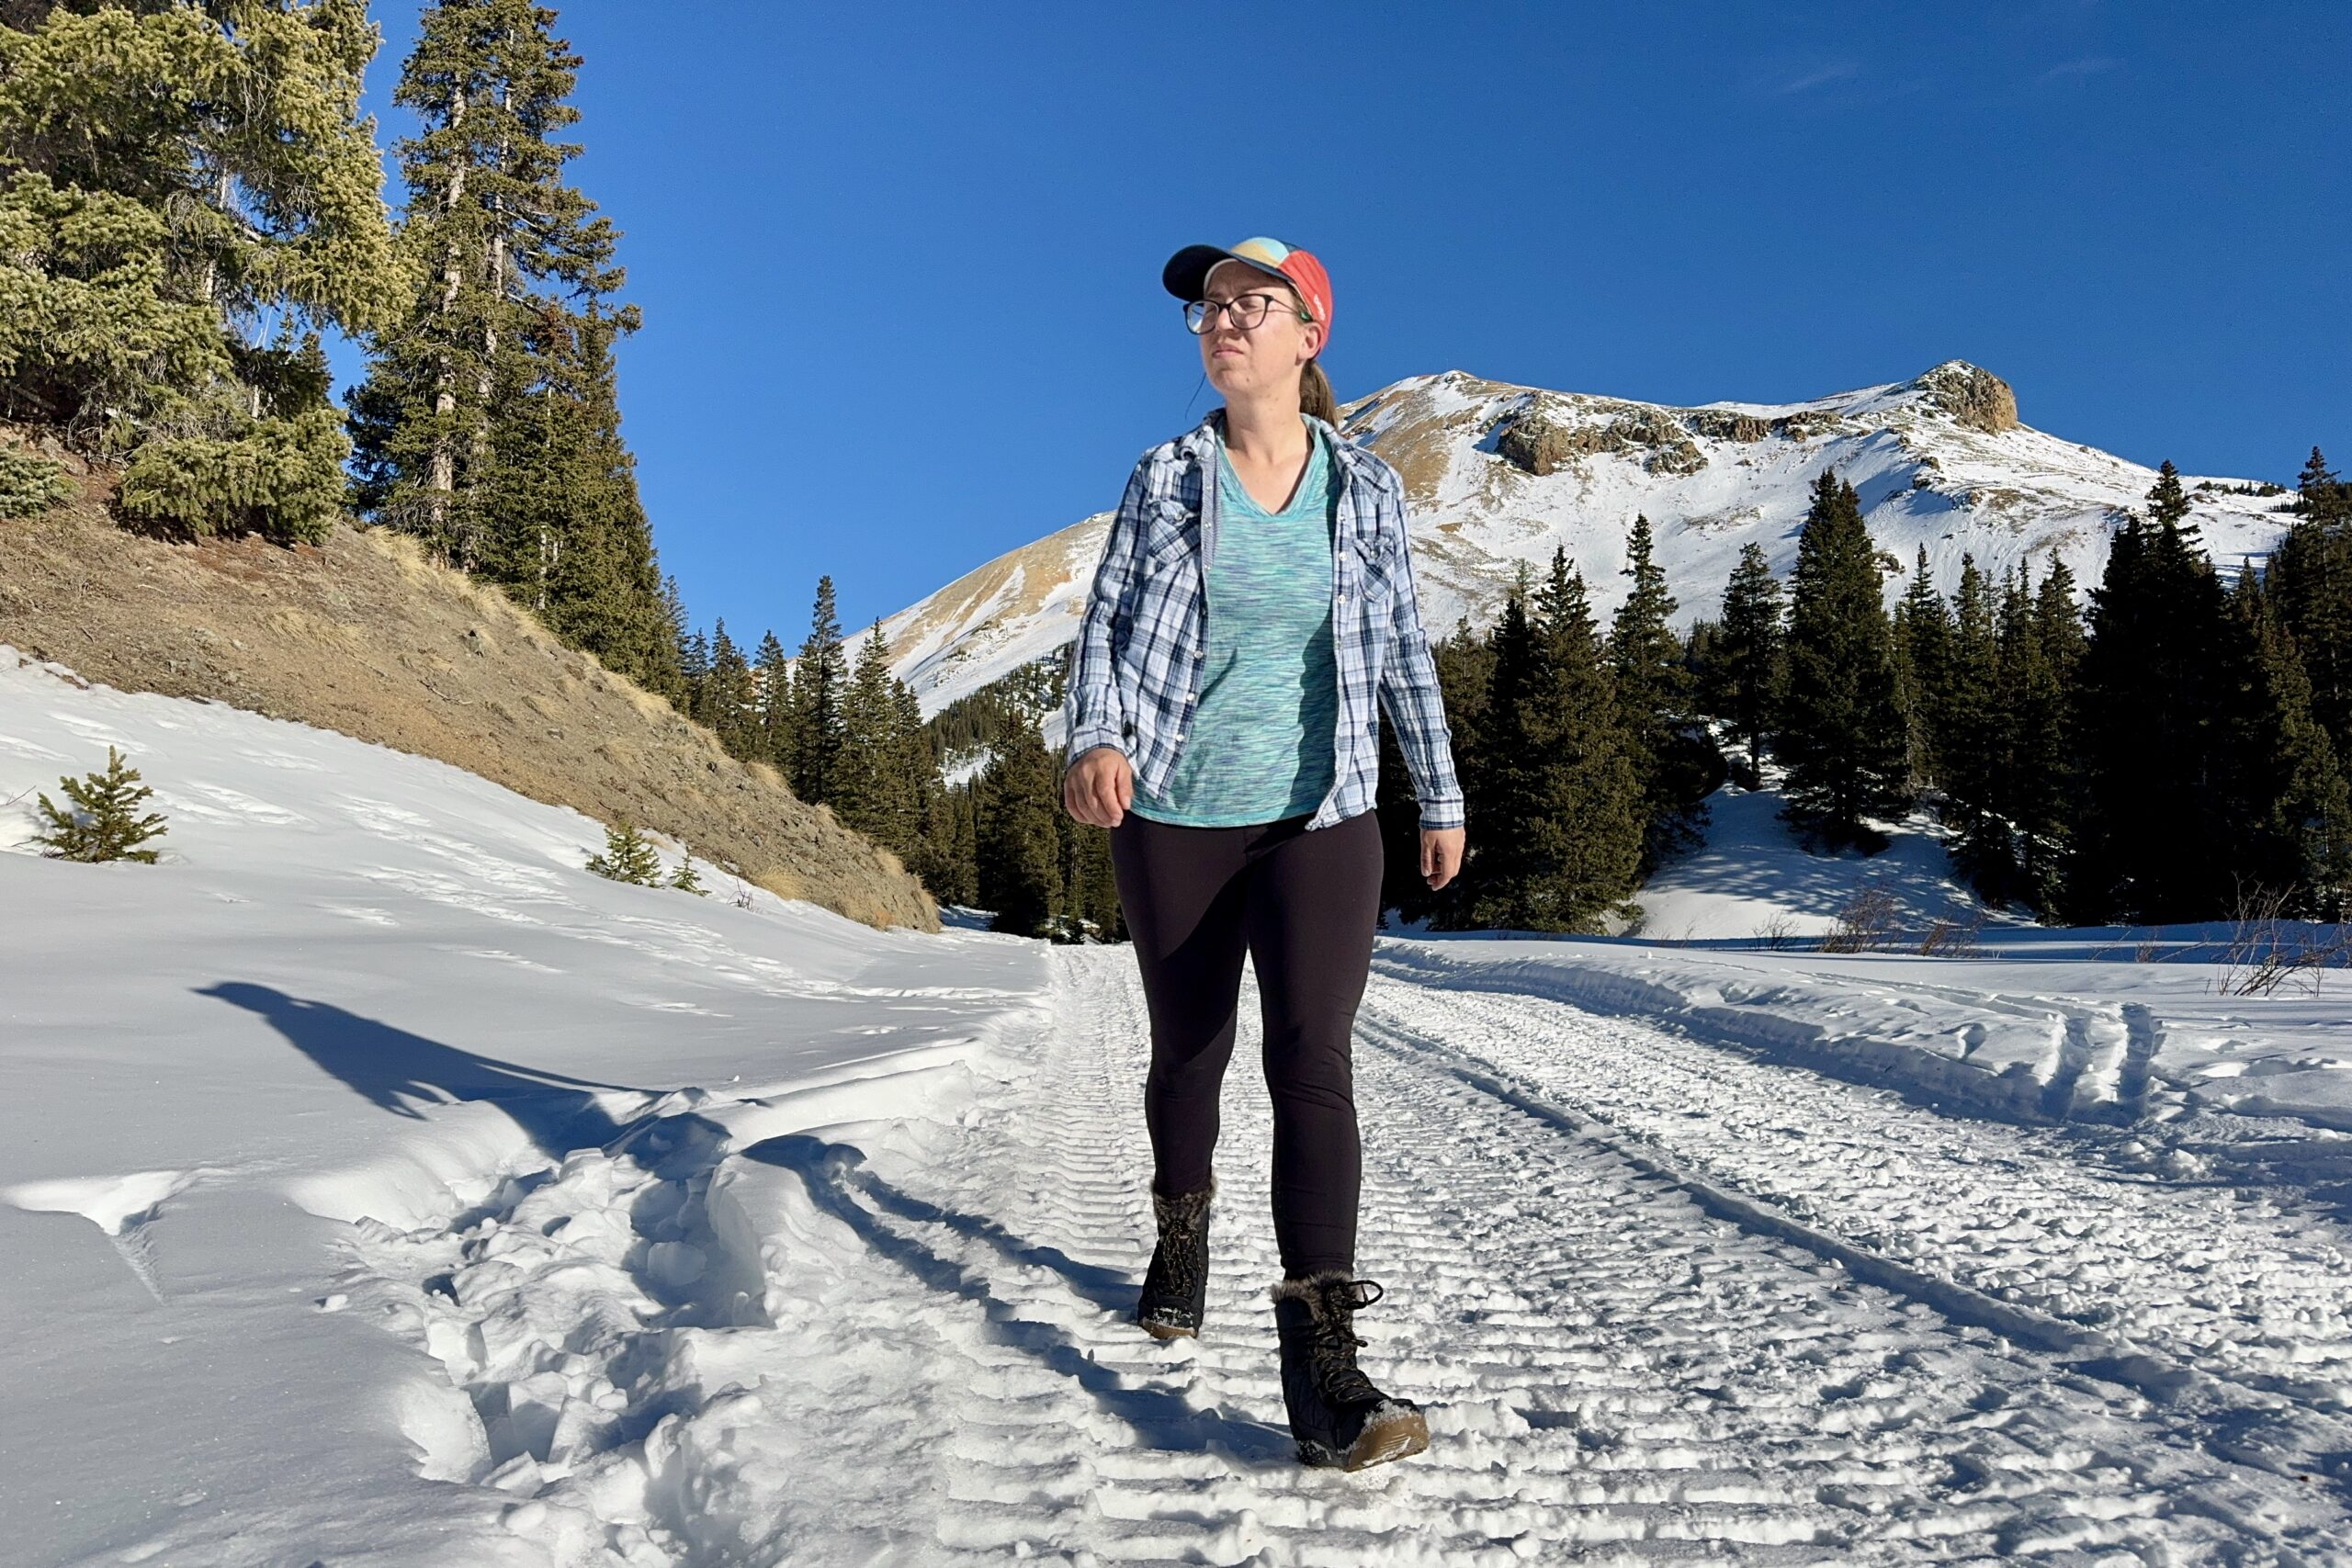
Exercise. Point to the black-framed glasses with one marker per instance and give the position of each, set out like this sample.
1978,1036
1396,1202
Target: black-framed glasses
1246,312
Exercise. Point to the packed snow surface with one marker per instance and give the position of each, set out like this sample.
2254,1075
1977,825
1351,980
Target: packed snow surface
383,1189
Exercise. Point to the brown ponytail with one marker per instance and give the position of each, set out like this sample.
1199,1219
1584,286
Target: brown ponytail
1314,393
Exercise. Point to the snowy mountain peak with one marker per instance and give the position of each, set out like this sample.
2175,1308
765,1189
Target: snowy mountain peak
1497,474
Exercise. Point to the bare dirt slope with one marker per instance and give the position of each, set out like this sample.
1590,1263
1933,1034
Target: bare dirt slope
365,635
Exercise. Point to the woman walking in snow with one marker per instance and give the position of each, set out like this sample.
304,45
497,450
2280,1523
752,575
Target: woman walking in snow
1252,611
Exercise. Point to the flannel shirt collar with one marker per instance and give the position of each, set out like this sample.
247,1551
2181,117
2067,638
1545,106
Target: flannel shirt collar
1198,446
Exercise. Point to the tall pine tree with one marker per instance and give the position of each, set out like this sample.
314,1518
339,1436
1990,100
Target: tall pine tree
1922,648
1742,678
496,237
1972,738
2156,824
819,694
2040,680
2310,580
1841,737
1675,766
1017,846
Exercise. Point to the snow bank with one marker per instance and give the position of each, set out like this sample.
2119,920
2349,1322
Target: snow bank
2031,1029
362,993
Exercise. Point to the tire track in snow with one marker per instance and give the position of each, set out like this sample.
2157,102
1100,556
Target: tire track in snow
941,1371
2069,1232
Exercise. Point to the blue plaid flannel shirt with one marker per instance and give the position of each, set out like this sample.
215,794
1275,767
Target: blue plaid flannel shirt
1135,671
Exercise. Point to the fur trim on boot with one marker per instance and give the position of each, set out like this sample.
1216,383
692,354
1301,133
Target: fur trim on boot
1337,1415
1175,1288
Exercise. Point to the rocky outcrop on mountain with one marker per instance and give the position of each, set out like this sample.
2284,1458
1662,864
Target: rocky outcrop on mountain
1547,436
1971,395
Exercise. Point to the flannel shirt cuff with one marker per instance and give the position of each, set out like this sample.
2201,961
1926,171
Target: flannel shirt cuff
1442,813
1085,738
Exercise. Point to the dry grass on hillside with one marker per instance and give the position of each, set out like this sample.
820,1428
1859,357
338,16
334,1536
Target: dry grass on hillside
366,636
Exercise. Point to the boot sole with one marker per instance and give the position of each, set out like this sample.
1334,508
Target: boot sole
1169,1331
1408,1432
1396,1437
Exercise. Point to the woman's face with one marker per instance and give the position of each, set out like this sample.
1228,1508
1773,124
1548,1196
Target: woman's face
1240,364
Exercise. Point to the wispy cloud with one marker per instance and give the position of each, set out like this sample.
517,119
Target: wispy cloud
2089,65
1819,76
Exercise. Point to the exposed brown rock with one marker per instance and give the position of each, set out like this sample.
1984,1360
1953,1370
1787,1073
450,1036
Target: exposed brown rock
1542,441
1728,425
366,636
1971,396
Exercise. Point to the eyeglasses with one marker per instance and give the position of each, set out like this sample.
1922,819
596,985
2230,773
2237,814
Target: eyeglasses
1246,312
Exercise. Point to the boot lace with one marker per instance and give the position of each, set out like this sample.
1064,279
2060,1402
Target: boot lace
1333,1349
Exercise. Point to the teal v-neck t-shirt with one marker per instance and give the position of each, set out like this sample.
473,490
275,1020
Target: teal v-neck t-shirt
1260,744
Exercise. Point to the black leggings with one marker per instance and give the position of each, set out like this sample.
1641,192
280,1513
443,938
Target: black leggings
1303,906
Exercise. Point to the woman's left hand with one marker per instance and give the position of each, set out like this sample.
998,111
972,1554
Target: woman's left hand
1441,855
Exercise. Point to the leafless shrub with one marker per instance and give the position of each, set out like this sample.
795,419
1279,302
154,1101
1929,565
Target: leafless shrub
1865,921
742,893
1953,934
2266,949
1779,930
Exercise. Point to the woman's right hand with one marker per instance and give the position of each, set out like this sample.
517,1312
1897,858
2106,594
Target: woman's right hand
1097,787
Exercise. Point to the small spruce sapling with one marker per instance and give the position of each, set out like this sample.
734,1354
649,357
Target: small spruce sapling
103,823
628,856
684,880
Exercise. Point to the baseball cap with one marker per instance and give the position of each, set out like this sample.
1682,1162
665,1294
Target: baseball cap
1188,271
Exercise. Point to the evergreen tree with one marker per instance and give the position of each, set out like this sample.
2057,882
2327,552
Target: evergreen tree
188,197
950,838
2156,825
2040,782
685,878
1557,811
629,856
103,820
572,540
1743,677
693,674
871,789
2168,506
1675,768
1922,650
495,239
1841,736
729,704
1091,894
1973,747
2291,807
773,673
2320,495
917,768
820,685
1464,662
2309,580
689,676
1016,841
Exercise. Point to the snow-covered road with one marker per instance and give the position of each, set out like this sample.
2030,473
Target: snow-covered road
1664,1304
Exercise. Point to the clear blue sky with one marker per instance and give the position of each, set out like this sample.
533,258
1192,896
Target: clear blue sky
899,265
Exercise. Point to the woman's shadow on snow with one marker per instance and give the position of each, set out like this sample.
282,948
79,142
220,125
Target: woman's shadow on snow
399,1072
1160,1417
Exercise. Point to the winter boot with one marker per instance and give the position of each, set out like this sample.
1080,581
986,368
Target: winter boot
1336,1414
1175,1288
